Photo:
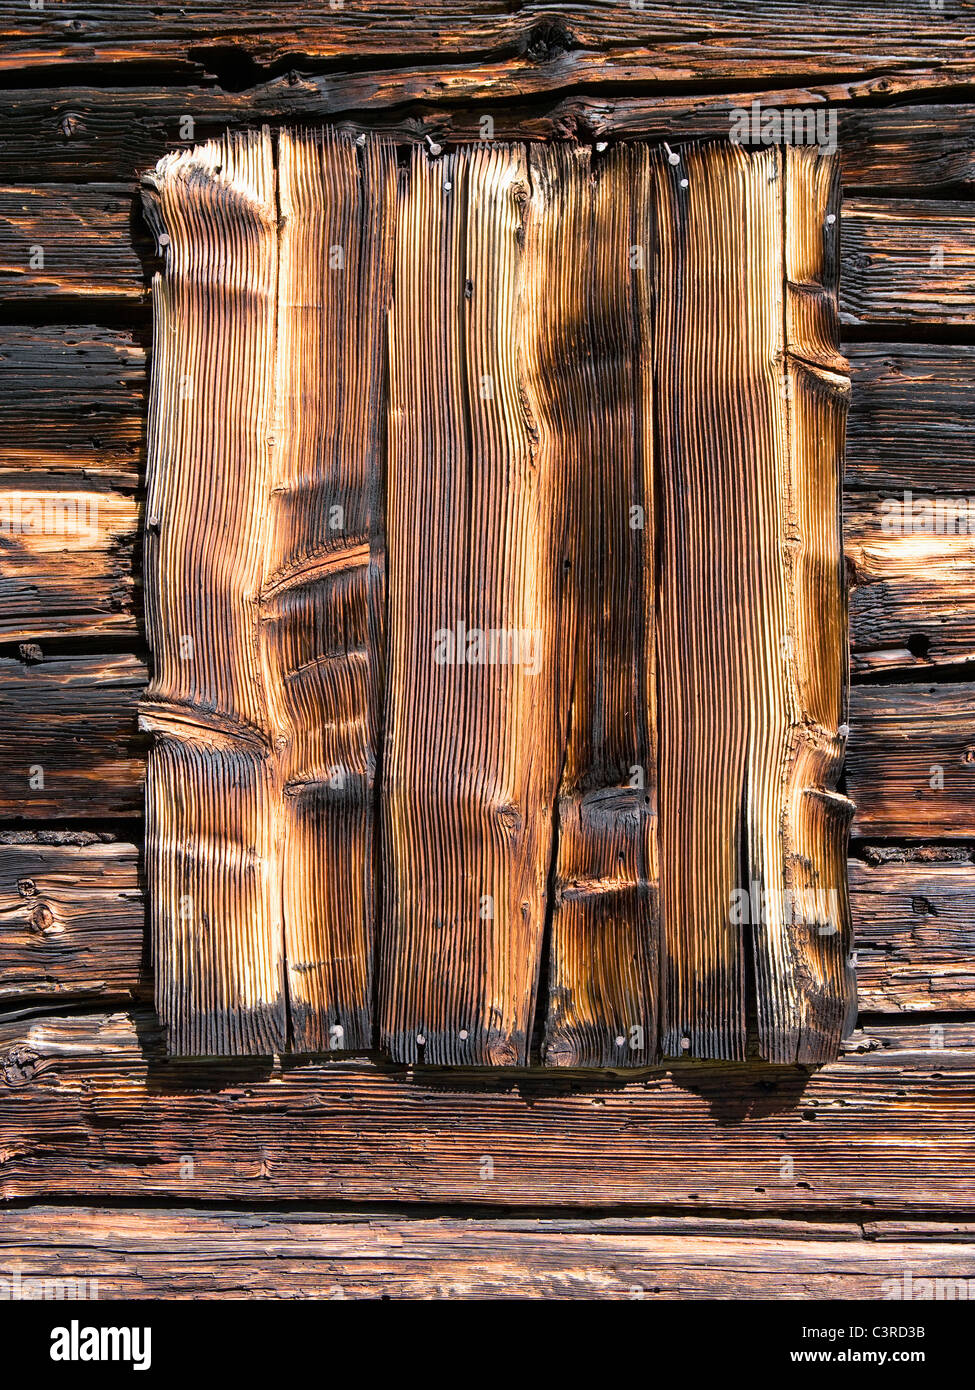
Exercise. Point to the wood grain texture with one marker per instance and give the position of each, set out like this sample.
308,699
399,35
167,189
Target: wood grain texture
471,746
554,43
67,562
264,589
914,935
912,575
751,694
323,596
69,133
72,919
89,1106
910,764
910,260
595,339
212,803
910,423
181,1253
69,739
72,406
71,411
92,742
70,242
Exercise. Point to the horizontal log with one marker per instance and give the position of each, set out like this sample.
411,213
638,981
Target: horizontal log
907,260
72,405
67,564
72,923
910,764
72,919
90,1107
911,423
113,134
914,926
912,570
69,744
179,1253
86,242
706,40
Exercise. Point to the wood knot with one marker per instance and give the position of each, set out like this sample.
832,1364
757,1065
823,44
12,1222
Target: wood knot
20,1065
548,41
42,919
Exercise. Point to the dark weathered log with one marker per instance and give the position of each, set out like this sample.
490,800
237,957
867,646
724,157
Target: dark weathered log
912,570
908,261
90,1106
84,242
69,742
556,44
911,424
910,766
67,564
914,935
112,134
72,920
72,406
181,1253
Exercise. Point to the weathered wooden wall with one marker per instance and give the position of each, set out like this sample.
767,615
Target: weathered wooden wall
774,1180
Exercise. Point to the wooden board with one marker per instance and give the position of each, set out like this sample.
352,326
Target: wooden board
551,45
90,1106
181,1253
72,918
66,133
71,242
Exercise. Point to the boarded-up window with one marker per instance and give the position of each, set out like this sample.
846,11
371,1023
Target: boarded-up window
496,604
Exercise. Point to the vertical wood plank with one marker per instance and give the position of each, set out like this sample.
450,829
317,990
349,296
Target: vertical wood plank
749,714
471,757
592,353
806,983
212,833
322,595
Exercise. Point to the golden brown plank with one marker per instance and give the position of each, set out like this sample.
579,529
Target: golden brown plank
471,756
752,833
322,593
66,563
264,495
213,809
